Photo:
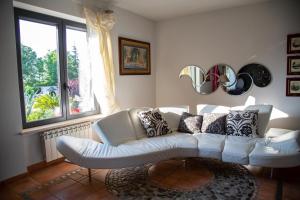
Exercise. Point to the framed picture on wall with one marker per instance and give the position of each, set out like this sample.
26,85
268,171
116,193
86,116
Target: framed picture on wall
293,43
134,57
293,65
293,87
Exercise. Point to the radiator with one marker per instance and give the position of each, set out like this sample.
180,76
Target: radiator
49,138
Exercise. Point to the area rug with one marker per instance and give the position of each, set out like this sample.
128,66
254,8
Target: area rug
230,181
220,181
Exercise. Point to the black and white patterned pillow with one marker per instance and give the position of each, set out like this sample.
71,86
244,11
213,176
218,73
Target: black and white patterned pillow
214,123
190,123
242,123
153,123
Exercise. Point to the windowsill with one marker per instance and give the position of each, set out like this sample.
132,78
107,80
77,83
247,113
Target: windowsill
38,129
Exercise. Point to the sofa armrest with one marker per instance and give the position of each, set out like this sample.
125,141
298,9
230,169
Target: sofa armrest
275,132
287,142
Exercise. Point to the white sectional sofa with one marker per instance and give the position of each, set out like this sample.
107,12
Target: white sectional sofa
125,142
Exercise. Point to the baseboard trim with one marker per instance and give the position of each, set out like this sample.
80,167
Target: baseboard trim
43,164
32,168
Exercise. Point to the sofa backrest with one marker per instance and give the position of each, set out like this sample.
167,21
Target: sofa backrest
208,108
115,129
172,115
139,130
264,113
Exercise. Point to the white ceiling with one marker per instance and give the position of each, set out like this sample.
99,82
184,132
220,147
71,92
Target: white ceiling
166,9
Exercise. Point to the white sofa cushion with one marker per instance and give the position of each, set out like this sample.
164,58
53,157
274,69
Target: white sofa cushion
153,122
91,154
210,145
115,129
172,115
237,149
242,123
267,156
207,108
264,113
138,127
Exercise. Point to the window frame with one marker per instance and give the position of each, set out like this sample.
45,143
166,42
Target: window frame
62,25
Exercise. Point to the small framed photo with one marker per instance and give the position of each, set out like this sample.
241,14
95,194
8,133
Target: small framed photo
293,65
134,57
293,87
293,43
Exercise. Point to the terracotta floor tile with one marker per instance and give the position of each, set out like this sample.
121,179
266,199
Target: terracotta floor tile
53,172
55,188
100,174
74,192
266,188
42,195
291,190
23,184
95,184
7,194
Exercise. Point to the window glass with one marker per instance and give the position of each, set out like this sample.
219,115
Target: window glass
80,96
40,70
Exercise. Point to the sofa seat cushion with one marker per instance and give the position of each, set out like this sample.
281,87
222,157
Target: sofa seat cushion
115,129
210,145
91,154
237,149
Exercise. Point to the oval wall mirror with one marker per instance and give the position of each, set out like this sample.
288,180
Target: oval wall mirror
200,81
242,85
260,74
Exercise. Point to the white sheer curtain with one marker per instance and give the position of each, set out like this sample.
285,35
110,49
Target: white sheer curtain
99,23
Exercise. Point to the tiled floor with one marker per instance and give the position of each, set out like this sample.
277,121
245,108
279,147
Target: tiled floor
79,187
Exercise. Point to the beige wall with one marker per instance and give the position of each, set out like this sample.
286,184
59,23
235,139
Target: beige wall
236,36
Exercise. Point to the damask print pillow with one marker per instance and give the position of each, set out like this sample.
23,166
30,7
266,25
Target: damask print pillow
242,123
190,123
153,123
214,123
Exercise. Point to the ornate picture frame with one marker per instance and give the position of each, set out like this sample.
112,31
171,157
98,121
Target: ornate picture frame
293,65
293,43
134,57
293,86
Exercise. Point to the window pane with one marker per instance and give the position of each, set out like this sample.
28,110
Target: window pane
40,70
80,94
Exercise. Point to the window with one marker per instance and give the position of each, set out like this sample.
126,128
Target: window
54,70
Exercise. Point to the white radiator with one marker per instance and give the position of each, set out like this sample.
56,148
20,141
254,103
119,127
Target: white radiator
49,137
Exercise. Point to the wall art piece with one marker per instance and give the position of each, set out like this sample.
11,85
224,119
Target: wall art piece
223,75
293,43
293,65
242,85
207,82
134,57
260,74
293,87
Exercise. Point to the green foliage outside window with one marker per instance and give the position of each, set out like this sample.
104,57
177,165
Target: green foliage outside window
42,72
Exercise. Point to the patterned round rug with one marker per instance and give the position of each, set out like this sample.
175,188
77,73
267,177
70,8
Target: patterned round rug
222,181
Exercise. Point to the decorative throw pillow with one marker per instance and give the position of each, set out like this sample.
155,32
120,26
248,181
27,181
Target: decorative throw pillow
153,123
242,123
214,123
190,123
